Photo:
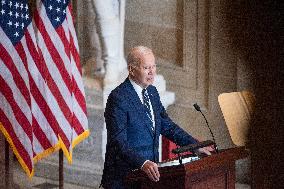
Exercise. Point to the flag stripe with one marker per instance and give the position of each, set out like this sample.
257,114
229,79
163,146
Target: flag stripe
32,54
60,100
80,98
70,18
20,148
56,57
21,84
77,70
22,135
79,103
17,95
75,55
53,77
44,124
40,135
20,116
14,57
51,117
49,30
77,126
20,50
57,94
79,113
38,150
61,33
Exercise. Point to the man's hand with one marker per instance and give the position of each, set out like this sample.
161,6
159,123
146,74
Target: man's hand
204,151
151,169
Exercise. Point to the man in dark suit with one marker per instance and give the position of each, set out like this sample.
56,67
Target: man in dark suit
135,117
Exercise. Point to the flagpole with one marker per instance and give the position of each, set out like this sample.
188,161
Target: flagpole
7,166
61,178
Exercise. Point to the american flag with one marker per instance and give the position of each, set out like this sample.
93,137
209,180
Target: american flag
64,107
42,101
17,41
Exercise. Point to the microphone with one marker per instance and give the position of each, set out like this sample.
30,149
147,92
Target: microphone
197,108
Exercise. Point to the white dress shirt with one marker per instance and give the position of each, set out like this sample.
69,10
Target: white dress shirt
138,90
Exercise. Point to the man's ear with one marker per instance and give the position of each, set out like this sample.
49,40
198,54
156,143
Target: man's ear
130,70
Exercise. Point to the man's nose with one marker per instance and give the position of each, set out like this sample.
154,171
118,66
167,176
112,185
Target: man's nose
151,70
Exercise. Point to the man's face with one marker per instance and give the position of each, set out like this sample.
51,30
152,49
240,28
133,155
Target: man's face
144,73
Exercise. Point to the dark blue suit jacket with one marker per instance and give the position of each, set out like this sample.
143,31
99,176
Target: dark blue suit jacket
130,140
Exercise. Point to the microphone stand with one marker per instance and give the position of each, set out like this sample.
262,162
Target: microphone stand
199,110
215,146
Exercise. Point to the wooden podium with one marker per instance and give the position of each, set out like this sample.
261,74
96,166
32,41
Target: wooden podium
216,171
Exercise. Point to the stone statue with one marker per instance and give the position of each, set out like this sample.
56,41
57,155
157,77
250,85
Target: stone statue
110,29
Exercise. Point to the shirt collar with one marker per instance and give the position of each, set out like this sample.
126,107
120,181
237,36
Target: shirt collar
137,88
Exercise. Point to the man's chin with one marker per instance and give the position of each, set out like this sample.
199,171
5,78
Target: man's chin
151,82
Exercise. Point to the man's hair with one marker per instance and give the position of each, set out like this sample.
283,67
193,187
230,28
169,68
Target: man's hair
135,55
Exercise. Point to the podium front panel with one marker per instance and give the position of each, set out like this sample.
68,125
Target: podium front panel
213,172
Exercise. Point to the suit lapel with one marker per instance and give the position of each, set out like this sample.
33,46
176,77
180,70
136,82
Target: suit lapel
135,100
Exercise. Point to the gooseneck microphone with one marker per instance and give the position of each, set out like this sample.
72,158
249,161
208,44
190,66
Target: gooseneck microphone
197,108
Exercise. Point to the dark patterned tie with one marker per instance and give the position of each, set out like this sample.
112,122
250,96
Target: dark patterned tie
146,102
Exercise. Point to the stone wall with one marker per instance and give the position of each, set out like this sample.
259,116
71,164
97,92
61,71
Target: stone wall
194,54
192,40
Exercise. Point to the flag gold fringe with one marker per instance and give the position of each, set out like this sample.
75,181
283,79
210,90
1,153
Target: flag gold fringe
47,152
12,145
61,145
80,138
